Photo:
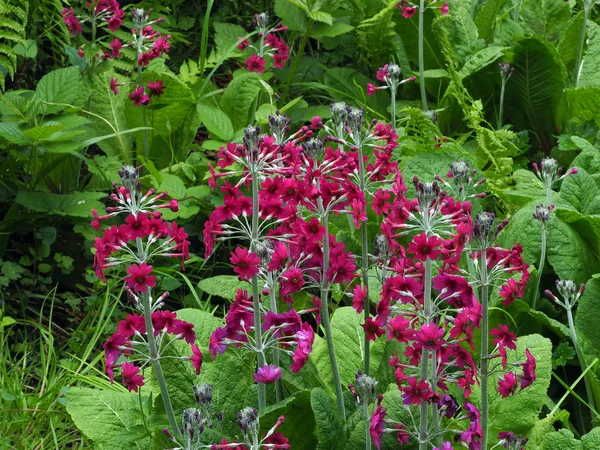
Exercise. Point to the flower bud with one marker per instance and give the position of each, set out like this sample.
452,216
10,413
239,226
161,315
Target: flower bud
512,442
251,139
130,178
567,289
279,124
338,113
203,394
426,193
193,423
549,167
482,229
542,213
432,115
313,148
460,172
506,70
366,387
382,247
355,119
248,421
139,17
262,20
393,72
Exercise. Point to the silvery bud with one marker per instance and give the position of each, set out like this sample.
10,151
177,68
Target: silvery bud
313,148
394,71
203,394
130,178
355,119
338,113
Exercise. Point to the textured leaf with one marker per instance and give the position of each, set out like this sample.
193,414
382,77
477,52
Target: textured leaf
290,15
569,41
590,162
78,204
216,121
588,313
591,60
560,440
591,441
173,185
527,187
584,104
486,18
480,59
224,286
104,416
227,34
581,192
239,99
536,87
463,34
546,18
329,426
59,86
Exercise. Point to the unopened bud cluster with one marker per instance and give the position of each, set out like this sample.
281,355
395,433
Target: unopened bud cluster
542,213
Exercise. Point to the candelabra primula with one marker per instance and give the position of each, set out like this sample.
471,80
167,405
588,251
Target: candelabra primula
141,340
390,74
270,44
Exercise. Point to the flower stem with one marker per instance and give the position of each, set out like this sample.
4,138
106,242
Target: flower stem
588,387
421,55
501,113
367,431
427,310
393,94
485,336
586,11
326,323
155,362
364,259
536,293
260,356
273,298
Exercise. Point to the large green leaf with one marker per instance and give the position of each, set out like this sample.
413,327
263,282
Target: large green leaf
569,41
106,417
224,286
463,34
59,86
560,440
239,99
588,314
590,162
329,426
545,18
78,204
486,18
584,104
581,192
216,122
591,61
536,88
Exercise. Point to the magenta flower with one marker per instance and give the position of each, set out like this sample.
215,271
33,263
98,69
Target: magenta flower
196,358
132,324
360,294
256,64
445,446
114,86
373,329
416,391
244,43
156,88
370,89
245,262
508,385
292,281
444,8
430,336
399,329
185,330
71,21
139,97
115,48
528,370
131,379
164,320
377,425
267,374
139,278
424,246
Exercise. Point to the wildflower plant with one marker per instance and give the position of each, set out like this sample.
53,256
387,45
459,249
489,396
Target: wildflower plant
142,339
269,44
390,74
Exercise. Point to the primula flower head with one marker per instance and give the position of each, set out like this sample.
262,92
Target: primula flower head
507,386
131,378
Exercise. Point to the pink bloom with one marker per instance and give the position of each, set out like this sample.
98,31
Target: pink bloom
139,97
430,336
528,370
416,392
130,325
292,281
508,385
244,43
444,8
115,47
267,374
139,278
156,88
381,203
377,425
408,11
245,262
160,46
504,339
305,338
164,321
276,440
509,292
137,226
358,211
114,85
131,379
196,358
445,446
71,21
358,302
370,89
255,64
399,329
373,329
424,247
184,330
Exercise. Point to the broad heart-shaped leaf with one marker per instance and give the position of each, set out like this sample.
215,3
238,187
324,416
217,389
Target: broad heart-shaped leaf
545,18
216,121
560,440
486,19
536,87
299,426
463,34
348,341
591,60
591,441
77,204
329,427
519,413
107,417
290,15
527,187
59,86
111,108
224,286
239,98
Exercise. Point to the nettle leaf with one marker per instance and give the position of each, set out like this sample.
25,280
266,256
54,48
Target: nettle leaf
329,427
78,204
591,61
527,187
227,34
59,86
546,18
591,441
486,18
239,98
223,286
590,162
216,122
581,192
109,418
536,87
290,15
173,185
348,339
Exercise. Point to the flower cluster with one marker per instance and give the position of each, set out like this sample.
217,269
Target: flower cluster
550,173
100,12
410,9
270,44
142,238
390,74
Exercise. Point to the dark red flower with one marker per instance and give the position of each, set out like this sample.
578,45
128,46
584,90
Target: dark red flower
139,278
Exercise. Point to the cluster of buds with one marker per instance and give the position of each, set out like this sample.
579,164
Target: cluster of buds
506,71
569,292
409,9
549,173
462,181
390,74
542,214
512,442
248,421
270,44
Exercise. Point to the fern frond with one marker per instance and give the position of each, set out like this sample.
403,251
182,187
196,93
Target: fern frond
13,19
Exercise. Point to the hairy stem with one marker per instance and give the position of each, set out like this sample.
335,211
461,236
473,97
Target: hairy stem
393,94
273,298
485,336
586,12
427,310
588,387
260,356
141,84
536,293
155,362
367,431
501,113
364,259
326,323
421,55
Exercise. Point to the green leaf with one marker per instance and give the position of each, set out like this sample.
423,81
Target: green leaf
560,440
519,413
12,270
545,18
216,121
591,61
581,192
329,426
227,34
569,41
104,416
562,354
173,185
224,286
321,16
59,86
591,441
290,15
480,59
239,99
589,160
78,204
536,87
588,313
463,34
486,18
527,187
27,49
584,104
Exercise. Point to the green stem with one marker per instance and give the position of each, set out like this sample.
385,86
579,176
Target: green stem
262,399
261,51
367,430
501,113
427,311
393,94
273,298
155,362
421,55
326,323
364,260
485,336
141,84
586,12
536,293
588,387
296,64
